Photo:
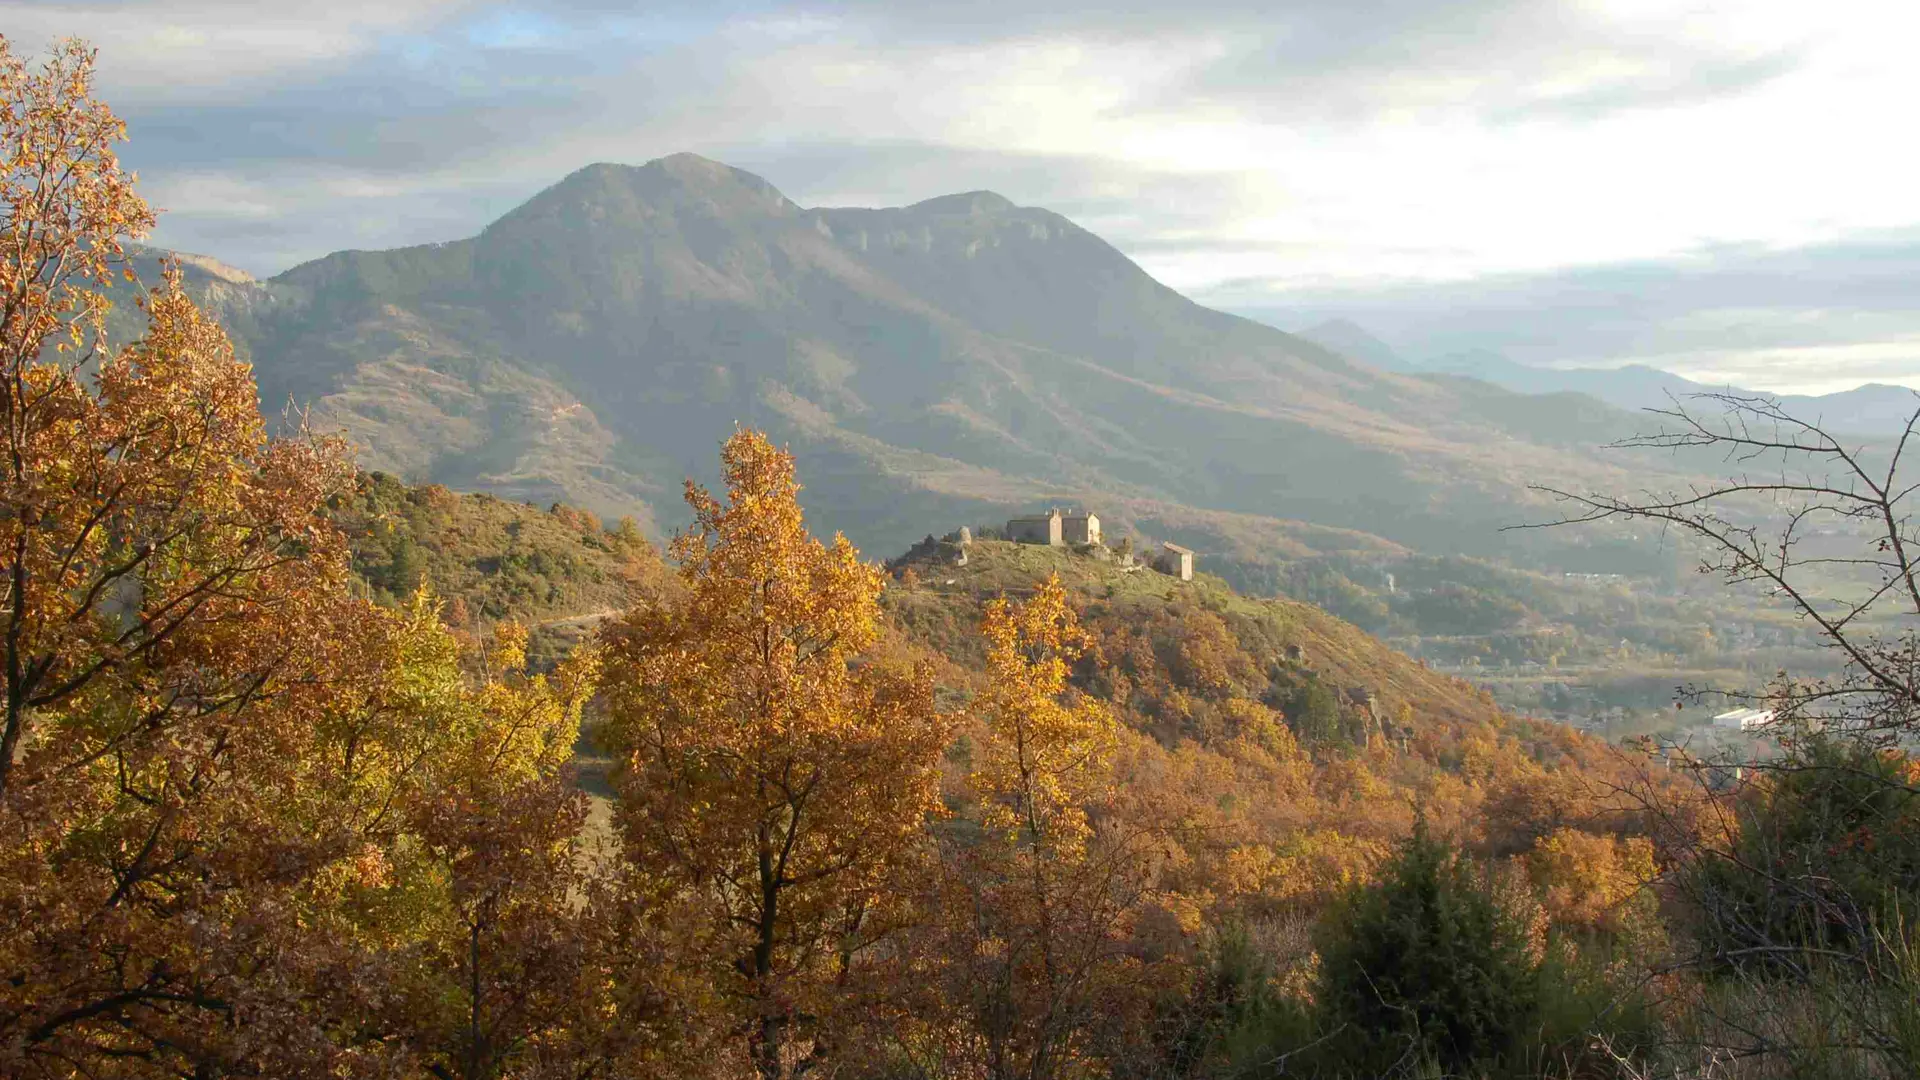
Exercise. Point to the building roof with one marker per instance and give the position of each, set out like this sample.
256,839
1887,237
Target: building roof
1176,548
1745,718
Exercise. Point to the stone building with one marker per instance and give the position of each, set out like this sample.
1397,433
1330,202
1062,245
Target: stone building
1048,529
1176,561
1056,528
1077,529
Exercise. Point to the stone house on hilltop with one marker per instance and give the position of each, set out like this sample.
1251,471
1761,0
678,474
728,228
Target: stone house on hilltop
1046,529
1055,529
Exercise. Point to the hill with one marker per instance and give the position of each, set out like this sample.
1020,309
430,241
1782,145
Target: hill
940,610
490,560
945,361
1282,726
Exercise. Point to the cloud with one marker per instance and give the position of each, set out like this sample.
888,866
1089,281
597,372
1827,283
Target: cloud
1363,60
1809,319
1275,154
196,49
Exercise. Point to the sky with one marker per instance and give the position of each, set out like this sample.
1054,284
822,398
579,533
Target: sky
1726,190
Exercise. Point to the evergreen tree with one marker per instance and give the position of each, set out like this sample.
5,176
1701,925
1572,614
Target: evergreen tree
1425,969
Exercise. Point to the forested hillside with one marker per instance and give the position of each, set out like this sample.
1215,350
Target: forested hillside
487,560
1290,730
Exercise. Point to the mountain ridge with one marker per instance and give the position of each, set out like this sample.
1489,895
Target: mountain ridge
941,362
1871,408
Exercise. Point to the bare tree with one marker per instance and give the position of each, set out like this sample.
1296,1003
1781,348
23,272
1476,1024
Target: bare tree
1798,923
1822,525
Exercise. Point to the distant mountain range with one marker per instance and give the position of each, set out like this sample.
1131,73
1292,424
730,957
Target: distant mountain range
1872,409
932,365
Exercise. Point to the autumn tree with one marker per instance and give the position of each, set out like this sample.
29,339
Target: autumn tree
68,210
771,778
175,626
249,823
1037,899
465,901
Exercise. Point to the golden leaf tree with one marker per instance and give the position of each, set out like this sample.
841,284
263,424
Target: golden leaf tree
773,780
174,627
1038,903
480,953
249,823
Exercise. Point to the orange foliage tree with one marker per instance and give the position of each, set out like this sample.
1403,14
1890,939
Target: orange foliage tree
1039,902
769,776
249,824
172,629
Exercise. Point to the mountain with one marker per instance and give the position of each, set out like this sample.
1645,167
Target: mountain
933,364
1874,408
1634,386
1349,338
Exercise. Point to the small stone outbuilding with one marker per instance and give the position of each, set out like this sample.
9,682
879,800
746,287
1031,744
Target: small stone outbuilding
1176,561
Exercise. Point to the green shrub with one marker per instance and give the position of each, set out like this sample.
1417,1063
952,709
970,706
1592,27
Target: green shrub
1826,855
1425,969
1236,1023
1313,712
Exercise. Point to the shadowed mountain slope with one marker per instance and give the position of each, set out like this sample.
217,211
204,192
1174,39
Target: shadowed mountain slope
930,364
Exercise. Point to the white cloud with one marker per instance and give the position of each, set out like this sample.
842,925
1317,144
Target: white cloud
189,50
1256,151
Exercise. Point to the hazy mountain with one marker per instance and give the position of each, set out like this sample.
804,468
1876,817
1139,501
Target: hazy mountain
931,364
1874,408
1351,339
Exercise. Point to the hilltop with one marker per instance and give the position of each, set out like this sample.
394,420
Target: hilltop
941,361
1309,734
939,594
489,559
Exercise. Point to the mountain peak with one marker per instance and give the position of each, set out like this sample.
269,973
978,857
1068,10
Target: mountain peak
692,168
966,202
678,180
206,264
1349,338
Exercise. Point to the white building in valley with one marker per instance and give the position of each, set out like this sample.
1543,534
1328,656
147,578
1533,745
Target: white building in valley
1744,719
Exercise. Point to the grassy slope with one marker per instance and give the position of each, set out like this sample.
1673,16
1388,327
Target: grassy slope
942,607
